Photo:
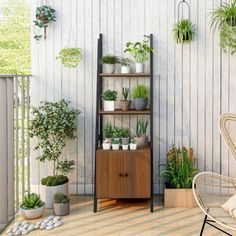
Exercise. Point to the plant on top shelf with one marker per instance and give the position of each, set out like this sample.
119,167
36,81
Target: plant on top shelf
109,98
125,135
44,15
140,95
140,51
184,31
54,123
224,18
125,65
133,144
109,63
61,205
70,57
125,103
141,130
107,132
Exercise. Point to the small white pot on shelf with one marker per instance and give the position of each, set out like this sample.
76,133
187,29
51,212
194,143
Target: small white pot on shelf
106,146
115,146
139,67
109,68
109,105
125,146
125,69
133,146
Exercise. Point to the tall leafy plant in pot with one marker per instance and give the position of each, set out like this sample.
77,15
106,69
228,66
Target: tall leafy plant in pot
53,124
125,103
140,95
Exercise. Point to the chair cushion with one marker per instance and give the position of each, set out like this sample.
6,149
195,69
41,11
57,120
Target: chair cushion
230,206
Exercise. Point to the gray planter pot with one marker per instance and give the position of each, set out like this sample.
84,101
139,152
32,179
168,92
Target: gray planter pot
61,209
125,141
140,103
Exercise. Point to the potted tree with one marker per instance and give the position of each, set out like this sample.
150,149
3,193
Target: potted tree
32,206
125,135
140,97
54,123
133,144
140,51
125,65
109,98
109,63
61,205
125,103
178,177
107,131
141,130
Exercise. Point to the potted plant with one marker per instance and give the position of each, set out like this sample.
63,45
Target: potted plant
115,144
140,97
109,98
140,51
125,65
125,135
70,57
61,205
116,134
54,123
184,31
141,130
109,63
107,131
224,18
44,15
125,103
178,177
133,144
32,206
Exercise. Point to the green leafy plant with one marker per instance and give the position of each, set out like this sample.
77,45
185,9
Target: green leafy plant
125,93
141,127
70,57
108,130
184,31
32,201
44,15
125,61
54,180
180,168
140,91
53,123
116,133
66,167
115,141
109,95
139,50
125,133
133,141
110,59
61,198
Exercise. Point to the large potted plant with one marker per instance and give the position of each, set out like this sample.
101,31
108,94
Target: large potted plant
109,98
54,123
109,63
61,205
140,51
179,173
125,103
140,97
141,136
107,133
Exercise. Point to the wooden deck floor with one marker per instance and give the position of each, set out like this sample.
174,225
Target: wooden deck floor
125,218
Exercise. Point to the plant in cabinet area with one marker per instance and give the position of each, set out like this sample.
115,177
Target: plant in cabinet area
125,135
125,65
109,98
141,130
125,103
109,63
107,132
61,205
116,133
115,144
133,144
140,94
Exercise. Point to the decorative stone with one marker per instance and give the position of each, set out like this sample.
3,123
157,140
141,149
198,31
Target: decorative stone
58,224
49,227
9,231
46,221
31,227
15,229
17,224
21,228
43,226
50,222
24,223
39,222
36,226
57,218
25,232
50,217
18,232
26,226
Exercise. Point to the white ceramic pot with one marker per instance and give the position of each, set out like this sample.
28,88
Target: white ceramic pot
106,146
115,146
125,146
109,105
47,193
32,213
125,69
139,67
109,68
133,146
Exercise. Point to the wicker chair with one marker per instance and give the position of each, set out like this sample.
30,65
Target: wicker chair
211,190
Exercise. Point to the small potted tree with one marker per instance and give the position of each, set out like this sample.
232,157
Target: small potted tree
109,63
109,98
125,65
133,144
61,205
140,51
141,130
115,144
125,103
125,135
140,97
54,123
107,131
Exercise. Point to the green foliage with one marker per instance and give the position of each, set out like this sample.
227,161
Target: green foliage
125,61
125,93
54,180
108,130
53,123
115,141
133,141
70,57
184,31
139,50
110,59
125,133
32,201
141,127
140,91
116,133
65,167
61,198
109,95
180,168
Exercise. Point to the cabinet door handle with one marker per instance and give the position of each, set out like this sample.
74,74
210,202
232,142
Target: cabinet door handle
126,175
120,175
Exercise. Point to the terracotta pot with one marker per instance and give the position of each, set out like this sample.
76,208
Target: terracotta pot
125,105
61,209
142,141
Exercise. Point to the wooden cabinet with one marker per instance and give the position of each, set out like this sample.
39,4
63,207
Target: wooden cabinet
123,174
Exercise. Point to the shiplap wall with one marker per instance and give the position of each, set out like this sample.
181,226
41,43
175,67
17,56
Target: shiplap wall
193,84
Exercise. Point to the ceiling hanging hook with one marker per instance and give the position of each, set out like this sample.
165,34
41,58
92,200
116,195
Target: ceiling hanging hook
187,4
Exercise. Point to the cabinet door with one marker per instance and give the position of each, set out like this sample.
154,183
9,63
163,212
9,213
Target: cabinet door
137,174
109,174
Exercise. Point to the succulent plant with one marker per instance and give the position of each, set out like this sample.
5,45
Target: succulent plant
125,93
61,198
32,201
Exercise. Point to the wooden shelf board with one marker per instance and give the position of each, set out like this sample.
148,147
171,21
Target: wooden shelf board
130,112
125,75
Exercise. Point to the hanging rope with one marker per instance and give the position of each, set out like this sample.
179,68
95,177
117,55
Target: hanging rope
71,29
184,2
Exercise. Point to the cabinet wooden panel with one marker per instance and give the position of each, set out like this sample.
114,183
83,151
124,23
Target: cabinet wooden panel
137,175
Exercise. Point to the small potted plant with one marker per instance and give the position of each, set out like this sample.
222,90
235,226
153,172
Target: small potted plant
125,65
141,130
125,103
133,144
109,98
184,31
116,134
140,97
109,63
107,131
125,135
61,205
115,144
32,206
140,51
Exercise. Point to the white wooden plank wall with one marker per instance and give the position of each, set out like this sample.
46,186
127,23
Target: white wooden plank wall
193,84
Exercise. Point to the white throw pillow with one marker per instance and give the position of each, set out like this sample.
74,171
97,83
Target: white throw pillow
230,206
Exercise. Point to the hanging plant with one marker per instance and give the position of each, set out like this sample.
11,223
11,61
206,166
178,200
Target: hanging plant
224,18
184,31
70,57
44,15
